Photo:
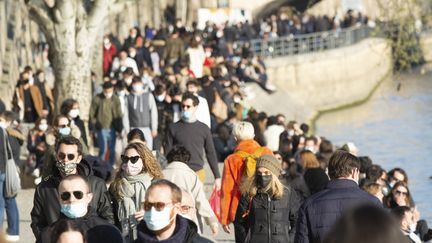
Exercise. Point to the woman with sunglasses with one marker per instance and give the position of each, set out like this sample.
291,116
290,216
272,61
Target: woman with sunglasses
267,211
138,169
61,127
399,196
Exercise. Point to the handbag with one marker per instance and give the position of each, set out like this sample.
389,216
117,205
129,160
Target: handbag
12,178
219,108
215,204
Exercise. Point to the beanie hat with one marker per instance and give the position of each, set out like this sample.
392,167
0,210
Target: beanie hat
271,163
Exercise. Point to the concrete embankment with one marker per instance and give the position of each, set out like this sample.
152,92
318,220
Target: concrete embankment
310,83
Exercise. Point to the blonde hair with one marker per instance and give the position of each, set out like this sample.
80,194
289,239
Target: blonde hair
309,160
372,188
275,188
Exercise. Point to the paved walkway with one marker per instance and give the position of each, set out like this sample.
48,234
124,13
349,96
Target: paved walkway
25,204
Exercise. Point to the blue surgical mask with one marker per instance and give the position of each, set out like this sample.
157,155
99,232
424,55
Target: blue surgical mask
65,131
186,115
73,211
157,220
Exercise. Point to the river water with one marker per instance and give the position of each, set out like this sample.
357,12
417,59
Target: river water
394,128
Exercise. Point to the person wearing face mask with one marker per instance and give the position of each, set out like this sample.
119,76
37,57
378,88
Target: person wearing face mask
138,169
179,173
36,146
162,221
61,127
70,109
74,195
105,119
69,161
165,110
267,210
405,218
27,100
143,113
179,134
320,211
109,52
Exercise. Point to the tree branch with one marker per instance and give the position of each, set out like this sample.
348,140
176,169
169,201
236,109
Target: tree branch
97,13
40,13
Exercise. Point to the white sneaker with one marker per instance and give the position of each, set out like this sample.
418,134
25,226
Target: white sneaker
12,238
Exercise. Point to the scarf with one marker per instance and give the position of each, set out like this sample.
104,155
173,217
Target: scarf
131,192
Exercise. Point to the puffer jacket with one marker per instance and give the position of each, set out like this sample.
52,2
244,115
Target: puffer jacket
265,219
46,205
320,211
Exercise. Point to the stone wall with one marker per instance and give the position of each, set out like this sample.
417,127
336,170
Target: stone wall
315,82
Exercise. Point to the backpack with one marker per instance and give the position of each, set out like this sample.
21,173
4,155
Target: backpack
250,161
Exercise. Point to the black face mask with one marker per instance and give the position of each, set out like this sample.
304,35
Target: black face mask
263,180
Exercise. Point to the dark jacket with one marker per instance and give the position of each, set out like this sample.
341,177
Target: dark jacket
321,210
184,232
87,222
46,205
267,219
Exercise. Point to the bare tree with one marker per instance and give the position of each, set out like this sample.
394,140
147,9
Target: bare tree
71,30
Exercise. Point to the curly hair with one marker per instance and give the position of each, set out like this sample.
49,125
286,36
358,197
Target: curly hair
150,164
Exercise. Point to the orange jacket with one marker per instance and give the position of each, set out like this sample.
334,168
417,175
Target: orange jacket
232,175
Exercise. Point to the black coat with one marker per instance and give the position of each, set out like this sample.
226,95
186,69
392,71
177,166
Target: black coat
266,220
46,205
321,210
87,222
184,232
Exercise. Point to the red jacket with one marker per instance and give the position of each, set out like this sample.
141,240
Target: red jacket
232,175
108,56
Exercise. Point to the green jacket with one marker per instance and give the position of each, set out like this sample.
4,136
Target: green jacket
106,113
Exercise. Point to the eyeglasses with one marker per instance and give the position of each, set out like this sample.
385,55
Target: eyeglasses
186,208
132,159
159,206
62,156
401,193
67,195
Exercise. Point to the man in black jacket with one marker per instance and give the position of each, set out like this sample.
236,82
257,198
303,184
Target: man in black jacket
46,206
320,211
74,195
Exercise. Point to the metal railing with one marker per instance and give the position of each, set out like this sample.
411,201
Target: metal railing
308,43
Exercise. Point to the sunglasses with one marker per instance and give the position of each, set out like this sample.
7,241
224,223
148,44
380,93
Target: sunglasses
159,206
67,195
62,156
62,126
185,209
132,159
186,106
401,193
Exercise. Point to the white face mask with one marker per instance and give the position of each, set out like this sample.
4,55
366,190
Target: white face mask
43,127
157,220
108,95
31,81
74,113
121,93
160,98
412,227
138,88
132,169
73,211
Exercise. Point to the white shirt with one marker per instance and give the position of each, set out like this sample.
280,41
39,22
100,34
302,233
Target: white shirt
203,112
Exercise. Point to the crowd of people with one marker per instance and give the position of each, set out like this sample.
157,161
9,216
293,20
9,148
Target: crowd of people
169,102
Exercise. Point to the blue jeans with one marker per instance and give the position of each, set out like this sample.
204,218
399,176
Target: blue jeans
106,140
11,210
